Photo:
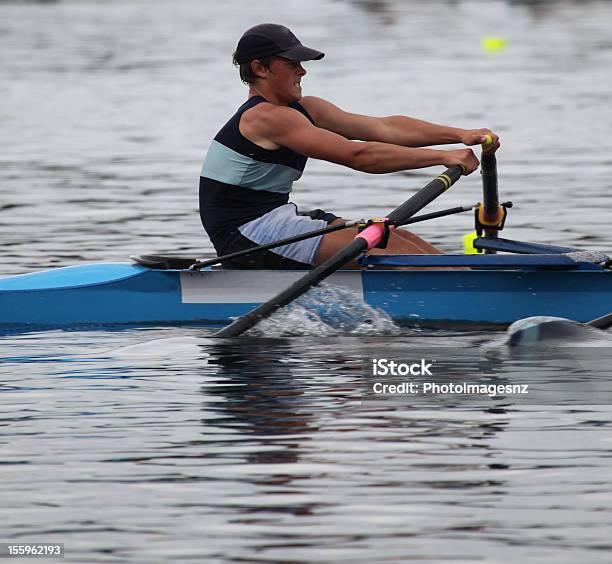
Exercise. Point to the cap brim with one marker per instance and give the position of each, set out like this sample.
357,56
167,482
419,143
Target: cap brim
301,53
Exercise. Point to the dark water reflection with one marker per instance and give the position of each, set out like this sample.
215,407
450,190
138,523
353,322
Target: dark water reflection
261,399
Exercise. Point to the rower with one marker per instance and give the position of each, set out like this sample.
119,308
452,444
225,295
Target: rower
254,159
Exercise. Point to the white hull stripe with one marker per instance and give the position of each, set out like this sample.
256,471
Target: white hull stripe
249,287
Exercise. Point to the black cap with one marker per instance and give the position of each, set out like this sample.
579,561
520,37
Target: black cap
266,40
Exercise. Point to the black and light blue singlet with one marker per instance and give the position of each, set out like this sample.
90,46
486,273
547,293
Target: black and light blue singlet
241,181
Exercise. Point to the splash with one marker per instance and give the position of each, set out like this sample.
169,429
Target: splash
326,310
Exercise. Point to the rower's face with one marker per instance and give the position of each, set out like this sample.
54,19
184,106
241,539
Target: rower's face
285,78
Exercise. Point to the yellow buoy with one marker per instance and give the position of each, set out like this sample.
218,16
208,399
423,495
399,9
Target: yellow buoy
493,44
468,244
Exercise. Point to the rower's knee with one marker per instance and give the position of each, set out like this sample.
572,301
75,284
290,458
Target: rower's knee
401,245
405,234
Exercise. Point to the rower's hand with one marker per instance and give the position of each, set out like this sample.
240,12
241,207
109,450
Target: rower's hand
465,158
478,136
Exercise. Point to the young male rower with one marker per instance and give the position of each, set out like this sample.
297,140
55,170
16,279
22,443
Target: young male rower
253,161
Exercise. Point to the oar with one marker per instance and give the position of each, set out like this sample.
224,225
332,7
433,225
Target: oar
267,246
368,238
601,322
488,170
490,213
557,330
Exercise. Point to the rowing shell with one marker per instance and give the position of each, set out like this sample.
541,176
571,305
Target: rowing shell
500,290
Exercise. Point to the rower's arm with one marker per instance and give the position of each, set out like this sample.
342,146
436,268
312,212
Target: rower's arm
398,130
289,128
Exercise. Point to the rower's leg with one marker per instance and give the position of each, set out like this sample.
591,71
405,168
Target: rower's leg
418,242
401,242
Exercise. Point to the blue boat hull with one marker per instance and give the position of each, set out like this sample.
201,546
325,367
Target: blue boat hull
129,294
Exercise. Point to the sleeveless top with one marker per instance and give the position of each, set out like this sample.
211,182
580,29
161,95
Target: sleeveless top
241,181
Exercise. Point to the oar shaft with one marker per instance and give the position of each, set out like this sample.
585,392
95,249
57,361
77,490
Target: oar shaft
367,239
427,194
301,286
259,248
602,322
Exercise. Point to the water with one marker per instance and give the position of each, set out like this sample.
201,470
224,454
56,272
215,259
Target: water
160,445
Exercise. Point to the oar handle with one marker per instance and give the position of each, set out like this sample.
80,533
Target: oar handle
490,215
488,169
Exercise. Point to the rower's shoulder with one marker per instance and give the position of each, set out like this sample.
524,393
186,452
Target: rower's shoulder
314,104
270,114
319,108
265,108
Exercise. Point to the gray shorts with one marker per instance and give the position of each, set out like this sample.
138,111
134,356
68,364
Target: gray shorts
280,223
